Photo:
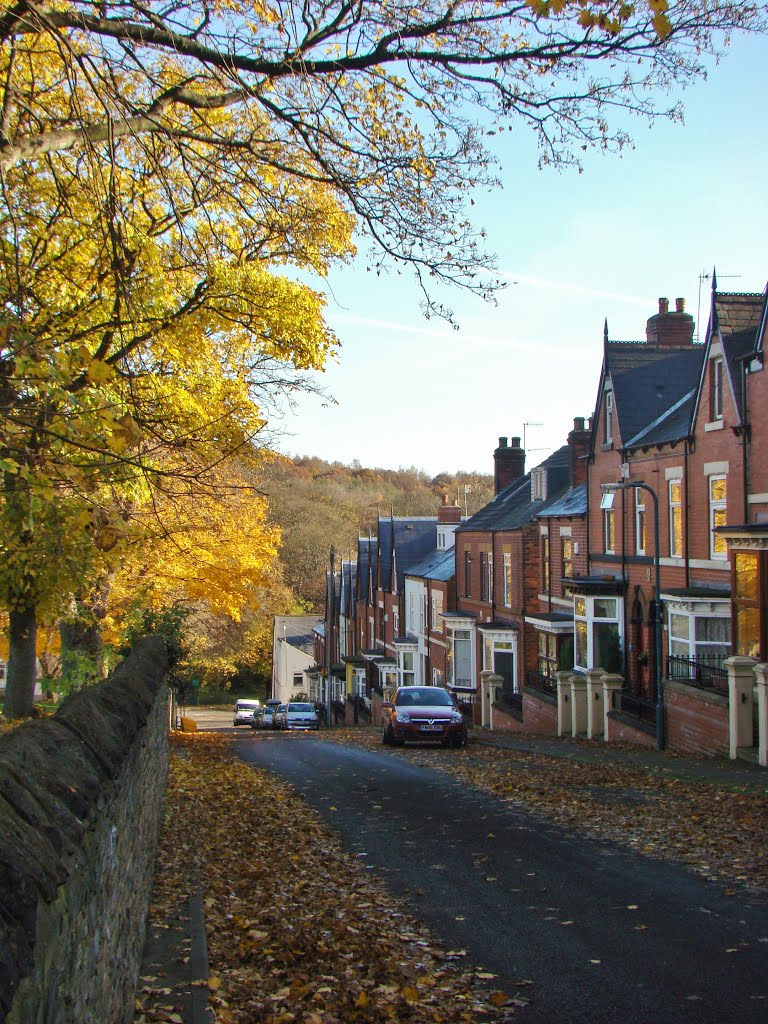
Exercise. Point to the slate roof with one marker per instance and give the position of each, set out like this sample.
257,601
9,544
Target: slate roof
648,382
298,630
407,539
348,588
438,565
366,563
572,503
512,507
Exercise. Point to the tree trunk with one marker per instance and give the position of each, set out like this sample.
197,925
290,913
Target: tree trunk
22,659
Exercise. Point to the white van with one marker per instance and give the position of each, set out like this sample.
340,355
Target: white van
244,711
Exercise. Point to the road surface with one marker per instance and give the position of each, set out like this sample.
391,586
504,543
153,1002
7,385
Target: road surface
602,934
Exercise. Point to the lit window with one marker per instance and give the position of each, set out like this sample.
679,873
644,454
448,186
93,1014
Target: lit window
609,531
675,519
717,516
507,579
748,586
489,595
546,655
467,574
567,558
545,564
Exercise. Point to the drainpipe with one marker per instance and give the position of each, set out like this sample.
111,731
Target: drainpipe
686,548
745,432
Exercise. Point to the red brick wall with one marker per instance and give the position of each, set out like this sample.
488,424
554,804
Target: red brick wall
622,732
502,722
539,716
757,405
696,722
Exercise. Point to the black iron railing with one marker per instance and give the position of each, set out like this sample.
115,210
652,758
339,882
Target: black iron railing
541,682
706,673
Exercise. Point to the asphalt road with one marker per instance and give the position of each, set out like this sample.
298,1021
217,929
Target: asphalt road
603,934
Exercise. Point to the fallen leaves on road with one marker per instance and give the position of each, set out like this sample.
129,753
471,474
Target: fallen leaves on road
298,931
718,831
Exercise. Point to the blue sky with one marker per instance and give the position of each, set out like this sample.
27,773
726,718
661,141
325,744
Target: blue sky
575,249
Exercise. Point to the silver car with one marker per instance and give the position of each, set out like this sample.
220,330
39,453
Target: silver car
301,715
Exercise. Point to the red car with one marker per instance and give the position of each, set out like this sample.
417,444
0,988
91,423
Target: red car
422,713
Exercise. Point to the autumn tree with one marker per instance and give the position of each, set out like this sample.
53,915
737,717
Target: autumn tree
386,102
138,353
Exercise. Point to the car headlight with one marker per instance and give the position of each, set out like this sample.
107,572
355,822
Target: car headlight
402,716
456,716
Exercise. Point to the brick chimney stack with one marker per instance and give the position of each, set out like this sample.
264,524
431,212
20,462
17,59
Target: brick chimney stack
670,330
449,512
508,464
579,441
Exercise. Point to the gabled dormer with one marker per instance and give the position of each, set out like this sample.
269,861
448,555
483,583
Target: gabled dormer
732,337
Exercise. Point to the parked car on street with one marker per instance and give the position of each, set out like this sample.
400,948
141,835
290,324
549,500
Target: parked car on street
301,715
264,720
258,718
422,713
278,720
244,709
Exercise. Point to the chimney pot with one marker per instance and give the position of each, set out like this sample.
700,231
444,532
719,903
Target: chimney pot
663,305
680,305
515,442
502,442
578,422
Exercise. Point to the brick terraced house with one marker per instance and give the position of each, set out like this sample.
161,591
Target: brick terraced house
620,588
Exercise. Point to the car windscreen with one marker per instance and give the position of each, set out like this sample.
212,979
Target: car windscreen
431,696
301,707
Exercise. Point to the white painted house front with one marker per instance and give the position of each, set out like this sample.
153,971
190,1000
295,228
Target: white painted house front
292,654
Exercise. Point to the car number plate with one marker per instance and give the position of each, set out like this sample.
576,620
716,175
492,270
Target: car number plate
430,728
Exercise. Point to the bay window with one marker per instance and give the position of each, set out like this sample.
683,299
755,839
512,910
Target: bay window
597,629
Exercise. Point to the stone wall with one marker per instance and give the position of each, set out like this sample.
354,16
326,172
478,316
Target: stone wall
80,805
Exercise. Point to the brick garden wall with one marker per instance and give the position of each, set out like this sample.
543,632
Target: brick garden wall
697,721
539,714
80,806
622,731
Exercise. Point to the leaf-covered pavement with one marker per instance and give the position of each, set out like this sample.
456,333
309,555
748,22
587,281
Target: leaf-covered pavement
298,931
719,832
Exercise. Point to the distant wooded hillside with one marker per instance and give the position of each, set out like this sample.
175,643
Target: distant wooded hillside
317,504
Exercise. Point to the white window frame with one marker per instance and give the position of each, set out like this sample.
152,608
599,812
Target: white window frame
489,575
437,612
718,548
396,622
641,522
608,425
676,641
584,620
450,659
717,370
406,668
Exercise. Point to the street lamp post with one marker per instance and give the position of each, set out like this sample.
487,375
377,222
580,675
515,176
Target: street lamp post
634,485
329,638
